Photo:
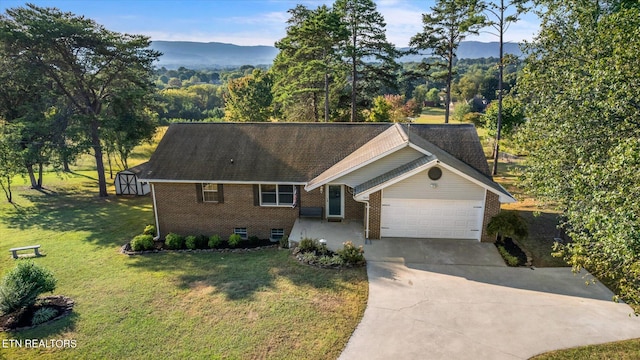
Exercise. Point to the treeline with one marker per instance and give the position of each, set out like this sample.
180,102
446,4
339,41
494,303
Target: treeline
200,95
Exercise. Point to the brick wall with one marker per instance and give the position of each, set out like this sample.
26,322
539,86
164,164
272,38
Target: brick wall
353,210
491,209
375,211
180,212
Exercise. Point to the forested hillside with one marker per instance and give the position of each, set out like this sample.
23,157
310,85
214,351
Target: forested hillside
215,55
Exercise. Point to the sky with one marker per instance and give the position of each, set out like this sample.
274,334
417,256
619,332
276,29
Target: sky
244,22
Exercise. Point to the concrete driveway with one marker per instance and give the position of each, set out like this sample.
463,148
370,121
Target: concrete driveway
455,299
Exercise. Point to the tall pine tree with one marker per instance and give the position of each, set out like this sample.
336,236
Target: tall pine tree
307,63
449,22
370,56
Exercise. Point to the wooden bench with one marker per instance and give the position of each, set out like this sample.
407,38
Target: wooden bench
35,248
311,212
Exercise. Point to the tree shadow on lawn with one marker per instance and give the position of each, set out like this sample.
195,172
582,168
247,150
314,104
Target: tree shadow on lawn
109,221
239,276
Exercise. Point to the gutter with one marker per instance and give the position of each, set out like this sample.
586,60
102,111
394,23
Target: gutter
366,220
155,212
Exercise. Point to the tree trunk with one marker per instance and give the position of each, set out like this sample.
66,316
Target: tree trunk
496,150
447,96
40,170
7,189
109,163
97,151
316,116
354,83
326,96
354,76
32,177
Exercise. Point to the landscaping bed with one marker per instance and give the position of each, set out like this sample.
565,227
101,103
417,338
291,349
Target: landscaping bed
22,320
511,252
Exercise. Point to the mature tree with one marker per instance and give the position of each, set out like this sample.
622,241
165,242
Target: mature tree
249,98
10,161
448,23
502,15
381,110
128,122
308,61
512,116
87,64
371,57
581,85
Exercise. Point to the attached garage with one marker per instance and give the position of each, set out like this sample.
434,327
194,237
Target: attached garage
431,218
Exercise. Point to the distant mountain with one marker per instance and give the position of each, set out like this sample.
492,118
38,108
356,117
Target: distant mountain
473,50
198,55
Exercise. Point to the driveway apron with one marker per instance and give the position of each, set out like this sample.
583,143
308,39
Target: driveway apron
455,299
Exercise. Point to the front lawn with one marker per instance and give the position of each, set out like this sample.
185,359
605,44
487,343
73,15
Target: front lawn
262,304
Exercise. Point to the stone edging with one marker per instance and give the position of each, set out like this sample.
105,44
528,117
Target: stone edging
123,250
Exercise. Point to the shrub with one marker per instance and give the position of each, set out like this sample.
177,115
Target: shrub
142,242
308,245
234,240
215,241
510,259
43,315
190,242
201,241
21,286
284,242
474,118
254,240
149,230
326,260
309,257
174,241
350,254
508,224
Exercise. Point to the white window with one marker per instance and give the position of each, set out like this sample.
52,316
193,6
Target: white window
210,192
242,232
277,234
276,195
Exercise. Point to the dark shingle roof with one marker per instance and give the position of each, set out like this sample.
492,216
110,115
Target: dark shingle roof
287,152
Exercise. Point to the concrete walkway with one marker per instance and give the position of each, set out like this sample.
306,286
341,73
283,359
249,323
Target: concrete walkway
455,299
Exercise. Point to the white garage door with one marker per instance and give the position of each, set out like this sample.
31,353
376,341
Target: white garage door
444,219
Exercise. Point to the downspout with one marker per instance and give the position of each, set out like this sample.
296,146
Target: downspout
155,212
366,218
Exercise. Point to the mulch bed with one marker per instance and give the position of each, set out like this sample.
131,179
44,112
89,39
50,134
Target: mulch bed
22,320
514,250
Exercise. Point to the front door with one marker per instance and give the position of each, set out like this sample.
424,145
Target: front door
335,201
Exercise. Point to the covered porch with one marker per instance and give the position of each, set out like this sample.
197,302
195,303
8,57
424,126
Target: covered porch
335,233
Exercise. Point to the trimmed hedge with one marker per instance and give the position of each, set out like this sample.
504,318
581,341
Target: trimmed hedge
174,241
142,242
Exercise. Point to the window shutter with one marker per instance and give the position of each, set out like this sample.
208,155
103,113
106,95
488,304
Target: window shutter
199,192
298,202
256,195
220,194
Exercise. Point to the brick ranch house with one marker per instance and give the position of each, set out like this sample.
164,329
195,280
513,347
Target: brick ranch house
256,179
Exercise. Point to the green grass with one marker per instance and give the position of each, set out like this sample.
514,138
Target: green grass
262,304
621,350
432,116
